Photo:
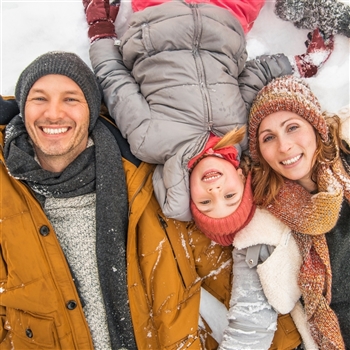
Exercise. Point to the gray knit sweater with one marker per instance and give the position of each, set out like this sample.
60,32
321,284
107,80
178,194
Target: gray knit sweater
74,221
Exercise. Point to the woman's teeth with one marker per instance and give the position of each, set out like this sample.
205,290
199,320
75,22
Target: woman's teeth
291,161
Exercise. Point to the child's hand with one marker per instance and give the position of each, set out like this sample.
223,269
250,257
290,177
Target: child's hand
317,53
100,15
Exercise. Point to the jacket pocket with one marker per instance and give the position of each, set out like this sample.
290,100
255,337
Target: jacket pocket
28,331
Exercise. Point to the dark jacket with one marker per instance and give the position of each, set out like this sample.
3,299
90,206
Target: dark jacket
338,240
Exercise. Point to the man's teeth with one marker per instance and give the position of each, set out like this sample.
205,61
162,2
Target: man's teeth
292,160
54,131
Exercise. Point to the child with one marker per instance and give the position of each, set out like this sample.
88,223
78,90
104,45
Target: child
266,259
180,73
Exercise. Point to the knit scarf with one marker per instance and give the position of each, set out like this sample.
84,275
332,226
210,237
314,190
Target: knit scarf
98,168
311,217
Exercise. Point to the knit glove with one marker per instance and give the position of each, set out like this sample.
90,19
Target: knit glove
317,53
100,15
330,16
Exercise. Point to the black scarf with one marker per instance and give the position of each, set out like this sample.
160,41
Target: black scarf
98,168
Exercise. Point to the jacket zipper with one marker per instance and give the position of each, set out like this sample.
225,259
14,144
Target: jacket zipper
197,19
164,226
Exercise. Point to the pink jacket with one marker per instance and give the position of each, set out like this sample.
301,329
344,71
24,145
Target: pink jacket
246,11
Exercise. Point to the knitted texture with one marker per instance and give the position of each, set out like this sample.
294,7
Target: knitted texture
63,63
330,16
285,94
223,230
74,221
310,217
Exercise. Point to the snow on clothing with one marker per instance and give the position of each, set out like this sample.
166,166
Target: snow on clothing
167,95
330,16
89,173
266,266
164,273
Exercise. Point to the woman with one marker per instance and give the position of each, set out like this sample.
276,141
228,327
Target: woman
301,175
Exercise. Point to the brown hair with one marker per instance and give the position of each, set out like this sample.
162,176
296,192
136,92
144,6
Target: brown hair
267,183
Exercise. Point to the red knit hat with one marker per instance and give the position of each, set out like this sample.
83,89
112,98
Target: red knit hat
290,94
223,230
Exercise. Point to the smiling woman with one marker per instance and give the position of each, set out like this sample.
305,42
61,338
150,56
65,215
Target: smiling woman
288,143
302,176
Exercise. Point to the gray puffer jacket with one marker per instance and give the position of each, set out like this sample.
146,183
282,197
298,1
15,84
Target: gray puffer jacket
178,73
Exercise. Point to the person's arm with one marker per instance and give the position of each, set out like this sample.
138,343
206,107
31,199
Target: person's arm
8,109
121,93
260,71
252,320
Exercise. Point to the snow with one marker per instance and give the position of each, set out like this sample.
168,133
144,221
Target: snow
30,28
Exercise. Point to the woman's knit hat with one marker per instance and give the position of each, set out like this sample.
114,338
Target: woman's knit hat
223,230
62,63
285,94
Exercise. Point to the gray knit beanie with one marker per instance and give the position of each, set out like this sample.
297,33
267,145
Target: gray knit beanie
63,63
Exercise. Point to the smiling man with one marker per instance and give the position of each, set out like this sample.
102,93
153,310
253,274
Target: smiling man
87,258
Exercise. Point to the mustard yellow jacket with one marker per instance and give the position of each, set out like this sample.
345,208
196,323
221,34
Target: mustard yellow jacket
168,261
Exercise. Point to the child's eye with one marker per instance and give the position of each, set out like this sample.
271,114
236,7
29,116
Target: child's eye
230,195
205,202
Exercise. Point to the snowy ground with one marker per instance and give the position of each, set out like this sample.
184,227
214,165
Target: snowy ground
30,28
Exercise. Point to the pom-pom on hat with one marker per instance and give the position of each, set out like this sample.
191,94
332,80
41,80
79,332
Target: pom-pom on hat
223,230
287,93
62,63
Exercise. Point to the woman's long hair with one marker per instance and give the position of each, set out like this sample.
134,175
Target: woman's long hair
267,183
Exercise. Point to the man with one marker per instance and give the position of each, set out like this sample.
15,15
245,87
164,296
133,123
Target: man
88,260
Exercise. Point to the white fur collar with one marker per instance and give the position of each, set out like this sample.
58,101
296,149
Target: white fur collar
264,228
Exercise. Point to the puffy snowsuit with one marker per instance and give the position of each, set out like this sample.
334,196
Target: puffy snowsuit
178,73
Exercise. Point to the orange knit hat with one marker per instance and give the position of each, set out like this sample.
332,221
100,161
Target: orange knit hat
290,94
223,230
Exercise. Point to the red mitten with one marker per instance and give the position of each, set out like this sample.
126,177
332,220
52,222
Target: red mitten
317,53
100,16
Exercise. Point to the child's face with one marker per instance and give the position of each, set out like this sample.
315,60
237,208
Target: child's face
216,187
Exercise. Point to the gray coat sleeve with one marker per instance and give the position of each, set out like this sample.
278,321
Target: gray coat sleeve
122,95
259,72
252,320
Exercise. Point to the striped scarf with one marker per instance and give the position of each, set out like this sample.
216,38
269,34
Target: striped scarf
311,217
